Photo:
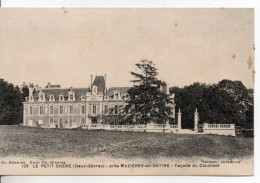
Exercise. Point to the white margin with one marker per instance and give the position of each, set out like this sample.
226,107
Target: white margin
154,4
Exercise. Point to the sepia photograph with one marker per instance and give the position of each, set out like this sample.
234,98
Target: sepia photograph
127,91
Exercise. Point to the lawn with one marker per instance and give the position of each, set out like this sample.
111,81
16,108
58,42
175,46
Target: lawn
60,143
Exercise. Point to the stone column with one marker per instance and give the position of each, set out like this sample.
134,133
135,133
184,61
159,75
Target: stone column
196,120
179,119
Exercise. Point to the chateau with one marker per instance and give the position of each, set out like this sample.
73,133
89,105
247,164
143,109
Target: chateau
59,107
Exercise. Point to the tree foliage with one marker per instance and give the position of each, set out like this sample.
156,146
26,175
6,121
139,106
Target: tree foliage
226,102
10,104
147,103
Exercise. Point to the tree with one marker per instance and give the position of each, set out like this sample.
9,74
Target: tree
242,101
188,99
10,104
225,102
147,102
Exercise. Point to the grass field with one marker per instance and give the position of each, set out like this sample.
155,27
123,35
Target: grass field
60,143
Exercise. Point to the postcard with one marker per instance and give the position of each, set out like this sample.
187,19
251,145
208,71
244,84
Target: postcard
127,91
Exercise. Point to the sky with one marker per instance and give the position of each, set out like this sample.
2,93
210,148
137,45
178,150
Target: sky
65,45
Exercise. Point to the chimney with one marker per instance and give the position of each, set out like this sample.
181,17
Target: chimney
31,88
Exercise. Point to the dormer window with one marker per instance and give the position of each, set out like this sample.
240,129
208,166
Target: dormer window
51,98
71,96
61,98
116,95
41,97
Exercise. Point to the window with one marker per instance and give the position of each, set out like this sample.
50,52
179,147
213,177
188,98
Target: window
51,121
82,109
51,98
30,109
110,110
106,109
121,109
116,121
41,97
41,110
65,110
61,98
71,96
60,125
71,109
94,109
116,96
116,109
61,109
51,109
45,110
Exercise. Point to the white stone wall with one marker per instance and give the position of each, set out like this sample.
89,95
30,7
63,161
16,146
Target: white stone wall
219,129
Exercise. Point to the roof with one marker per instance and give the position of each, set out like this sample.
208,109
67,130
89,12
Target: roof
54,86
99,81
122,90
78,92
64,91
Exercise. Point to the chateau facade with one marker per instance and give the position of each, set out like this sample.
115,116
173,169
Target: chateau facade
59,107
